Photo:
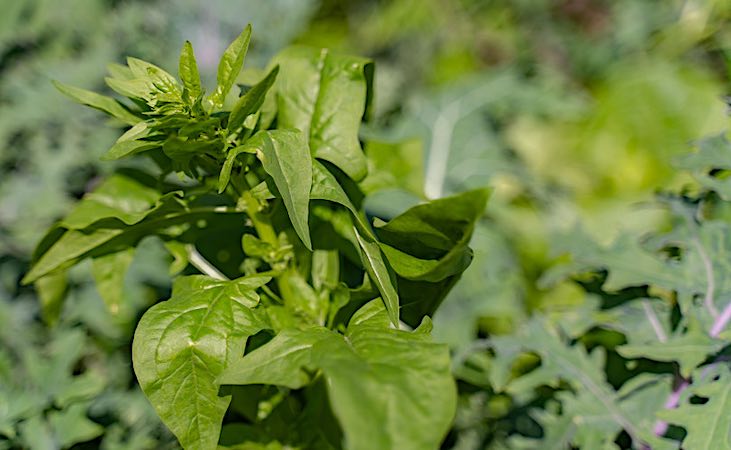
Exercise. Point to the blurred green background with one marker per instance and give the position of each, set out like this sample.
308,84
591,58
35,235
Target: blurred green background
572,110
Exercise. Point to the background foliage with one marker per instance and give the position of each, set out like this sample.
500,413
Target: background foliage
572,110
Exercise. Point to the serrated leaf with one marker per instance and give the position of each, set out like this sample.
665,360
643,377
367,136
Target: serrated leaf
101,102
325,95
689,350
188,71
229,67
250,102
708,425
285,156
183,344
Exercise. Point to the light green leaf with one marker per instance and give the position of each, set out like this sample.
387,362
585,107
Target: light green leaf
379,272
109,272
250,102
182,345
283,361
388,388
708,425
188,71
122,149
71,426
101,102
51,291
689,350
75,245
119,196
229,67
325,95
285,156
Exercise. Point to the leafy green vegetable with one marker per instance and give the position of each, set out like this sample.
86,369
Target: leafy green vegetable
266,207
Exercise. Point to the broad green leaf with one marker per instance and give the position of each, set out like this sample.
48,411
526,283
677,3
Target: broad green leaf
51,291
325,95
429,242
75,245
689,350
229,67
109,272
388,388
182,345
286,360
285,156
381,382
250,102
120,196
188,71
101,102
709,424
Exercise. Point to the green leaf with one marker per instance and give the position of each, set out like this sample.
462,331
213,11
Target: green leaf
109,272
380,381
120,196
708,425
229,67
182,345
285,156
283,361
128,148
51,290
188,71
689,350
379,272
250,102
101,102
325,95
75,245
429,242
71,426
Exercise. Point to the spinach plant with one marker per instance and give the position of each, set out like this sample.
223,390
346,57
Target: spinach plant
293,321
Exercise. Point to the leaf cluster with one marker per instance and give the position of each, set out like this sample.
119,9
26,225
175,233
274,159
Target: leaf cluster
303,308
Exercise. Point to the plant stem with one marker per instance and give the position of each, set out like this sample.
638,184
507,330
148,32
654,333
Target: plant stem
721,321
202,264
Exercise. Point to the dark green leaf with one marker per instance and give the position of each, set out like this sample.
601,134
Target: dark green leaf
250,102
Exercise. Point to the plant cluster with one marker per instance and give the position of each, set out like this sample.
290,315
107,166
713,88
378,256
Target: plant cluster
293,321
637,355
